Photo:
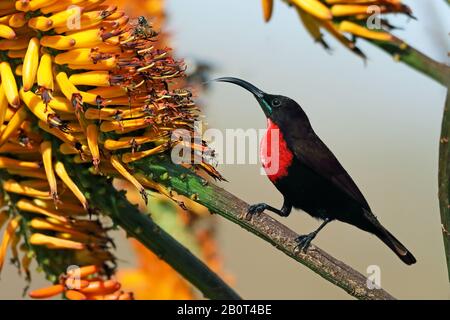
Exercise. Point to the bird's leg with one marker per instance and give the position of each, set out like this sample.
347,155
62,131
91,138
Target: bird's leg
304,241
285,209
260,207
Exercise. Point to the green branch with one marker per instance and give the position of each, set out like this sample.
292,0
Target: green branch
217,200
104,196
416,60
444,178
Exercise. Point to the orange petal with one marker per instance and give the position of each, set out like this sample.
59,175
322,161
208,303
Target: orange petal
47,292
7,236
101,287
83,272
75,295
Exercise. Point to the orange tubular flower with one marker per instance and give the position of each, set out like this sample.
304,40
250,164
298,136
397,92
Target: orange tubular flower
47,292
46,150
40,239
7,236
84,283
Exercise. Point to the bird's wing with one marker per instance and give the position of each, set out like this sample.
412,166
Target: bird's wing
312,152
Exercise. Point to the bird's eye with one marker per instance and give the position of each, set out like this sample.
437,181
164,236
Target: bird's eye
276,103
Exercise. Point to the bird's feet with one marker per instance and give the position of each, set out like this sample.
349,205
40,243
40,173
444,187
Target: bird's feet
254,209
304,241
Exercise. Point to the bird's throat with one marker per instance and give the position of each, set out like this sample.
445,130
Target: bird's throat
275,154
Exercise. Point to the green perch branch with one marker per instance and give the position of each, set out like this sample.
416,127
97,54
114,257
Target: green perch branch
444,178
415,59
104,196
217,200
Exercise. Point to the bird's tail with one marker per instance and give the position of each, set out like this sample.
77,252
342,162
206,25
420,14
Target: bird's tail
395,245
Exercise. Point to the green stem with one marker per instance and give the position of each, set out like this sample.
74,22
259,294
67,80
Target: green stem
444,178
104,196
415,59
217,200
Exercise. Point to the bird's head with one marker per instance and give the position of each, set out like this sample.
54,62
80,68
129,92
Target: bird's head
279,109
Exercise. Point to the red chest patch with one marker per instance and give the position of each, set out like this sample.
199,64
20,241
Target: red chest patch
275,154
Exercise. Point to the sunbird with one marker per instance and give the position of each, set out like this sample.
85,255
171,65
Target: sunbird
308,175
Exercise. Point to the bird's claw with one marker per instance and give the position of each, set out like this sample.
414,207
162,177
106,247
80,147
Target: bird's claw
304,241
254,209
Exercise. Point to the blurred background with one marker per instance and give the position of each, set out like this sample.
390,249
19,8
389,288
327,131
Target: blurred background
382,120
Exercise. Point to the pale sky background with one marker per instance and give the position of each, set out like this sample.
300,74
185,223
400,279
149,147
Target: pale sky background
381,120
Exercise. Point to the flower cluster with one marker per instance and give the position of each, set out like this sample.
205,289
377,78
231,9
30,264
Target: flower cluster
345,20
85,283
82,83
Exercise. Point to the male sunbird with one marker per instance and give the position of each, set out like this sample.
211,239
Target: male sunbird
308,175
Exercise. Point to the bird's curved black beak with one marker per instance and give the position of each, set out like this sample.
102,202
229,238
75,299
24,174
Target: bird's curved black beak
260,95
